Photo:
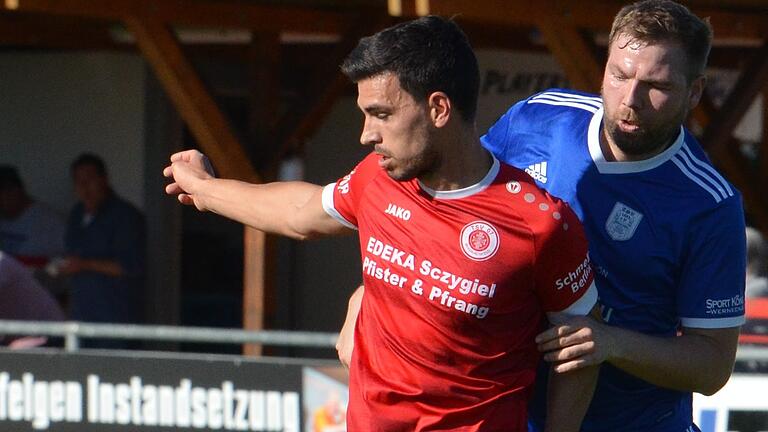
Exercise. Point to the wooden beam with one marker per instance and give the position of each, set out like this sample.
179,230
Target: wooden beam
739,172
220,13
213,134
194,103
722,146
735,167
751,82
264,69
575,55
34,30
255,271
298,125
594,15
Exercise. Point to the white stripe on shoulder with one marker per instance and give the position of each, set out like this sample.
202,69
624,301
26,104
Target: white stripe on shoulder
570,104
701,174
584,304
709,168
713,323
561,97
329,208
680,164
597,99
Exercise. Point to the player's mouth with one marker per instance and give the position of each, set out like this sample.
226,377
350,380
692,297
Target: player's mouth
628,126
384,159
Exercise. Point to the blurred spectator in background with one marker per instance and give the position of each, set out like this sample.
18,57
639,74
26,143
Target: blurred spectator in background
23,298
757,256
755,329
331,416
29,230
105,244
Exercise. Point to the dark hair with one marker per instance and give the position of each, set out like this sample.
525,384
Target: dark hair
91,160
428,54
9,177
652,21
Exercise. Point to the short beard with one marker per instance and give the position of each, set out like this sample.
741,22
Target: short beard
644,143
422,167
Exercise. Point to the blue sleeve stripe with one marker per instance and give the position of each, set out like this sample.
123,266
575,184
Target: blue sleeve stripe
701,174
695,179
713,323
331,210
570,104
571,96
709,168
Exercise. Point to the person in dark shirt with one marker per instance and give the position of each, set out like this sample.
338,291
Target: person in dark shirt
105,243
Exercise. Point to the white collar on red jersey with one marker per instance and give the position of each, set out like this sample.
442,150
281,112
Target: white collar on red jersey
467,191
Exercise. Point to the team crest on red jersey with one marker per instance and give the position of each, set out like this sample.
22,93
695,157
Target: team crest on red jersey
479,240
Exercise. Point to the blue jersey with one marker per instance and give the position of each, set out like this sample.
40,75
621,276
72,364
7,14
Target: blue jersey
667,240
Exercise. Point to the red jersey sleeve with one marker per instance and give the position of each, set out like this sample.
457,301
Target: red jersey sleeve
564,277
341,199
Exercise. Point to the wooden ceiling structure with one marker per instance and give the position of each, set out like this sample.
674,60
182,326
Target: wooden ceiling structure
569,29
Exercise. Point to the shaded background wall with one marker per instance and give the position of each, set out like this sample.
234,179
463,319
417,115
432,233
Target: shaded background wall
54,106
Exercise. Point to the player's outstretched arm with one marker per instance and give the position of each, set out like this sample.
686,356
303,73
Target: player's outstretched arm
292,209
698,360
345,344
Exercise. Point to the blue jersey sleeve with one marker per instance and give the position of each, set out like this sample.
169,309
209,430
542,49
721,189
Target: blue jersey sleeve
498,139
711,293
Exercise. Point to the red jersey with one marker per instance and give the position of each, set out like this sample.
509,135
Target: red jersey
456,287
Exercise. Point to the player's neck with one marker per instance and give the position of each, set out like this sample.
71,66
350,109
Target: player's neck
464,162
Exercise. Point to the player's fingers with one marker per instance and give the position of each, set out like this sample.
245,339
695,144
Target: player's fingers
185,155
185,199
571,365
553,333
558,343
168,171
570,352
563,336
173,189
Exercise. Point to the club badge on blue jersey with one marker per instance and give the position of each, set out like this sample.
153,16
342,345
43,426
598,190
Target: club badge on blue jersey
622,222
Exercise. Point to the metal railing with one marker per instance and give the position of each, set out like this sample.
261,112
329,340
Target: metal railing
73,332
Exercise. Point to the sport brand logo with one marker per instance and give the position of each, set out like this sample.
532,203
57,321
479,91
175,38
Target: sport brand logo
343,185
538,171
398,212
479,240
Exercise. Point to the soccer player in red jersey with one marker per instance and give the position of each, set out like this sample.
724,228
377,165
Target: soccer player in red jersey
463,256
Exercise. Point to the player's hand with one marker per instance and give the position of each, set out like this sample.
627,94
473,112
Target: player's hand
187,168
345,344
575,343
71,265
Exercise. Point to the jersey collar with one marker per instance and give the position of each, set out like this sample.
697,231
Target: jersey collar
606,167
467,191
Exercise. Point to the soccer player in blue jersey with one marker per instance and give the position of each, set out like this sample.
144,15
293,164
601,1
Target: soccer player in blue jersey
666,231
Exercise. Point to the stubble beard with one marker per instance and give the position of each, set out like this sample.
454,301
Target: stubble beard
644,141
420,166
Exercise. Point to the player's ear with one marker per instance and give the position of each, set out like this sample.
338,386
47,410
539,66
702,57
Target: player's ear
440,108
697,89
